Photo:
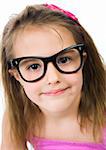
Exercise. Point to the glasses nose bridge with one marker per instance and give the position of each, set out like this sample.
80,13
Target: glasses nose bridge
52,73
51,59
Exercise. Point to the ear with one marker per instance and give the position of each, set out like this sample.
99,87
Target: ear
13,72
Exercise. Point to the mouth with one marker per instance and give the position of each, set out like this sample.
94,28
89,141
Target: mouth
55,92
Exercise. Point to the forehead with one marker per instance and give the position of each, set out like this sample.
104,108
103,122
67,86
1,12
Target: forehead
41,40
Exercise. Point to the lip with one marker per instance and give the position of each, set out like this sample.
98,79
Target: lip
55,92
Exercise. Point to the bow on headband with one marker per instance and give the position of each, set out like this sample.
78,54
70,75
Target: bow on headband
67,13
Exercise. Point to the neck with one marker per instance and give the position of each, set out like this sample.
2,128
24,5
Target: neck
67,117
59,116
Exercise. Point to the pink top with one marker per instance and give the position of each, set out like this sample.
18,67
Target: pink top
46,144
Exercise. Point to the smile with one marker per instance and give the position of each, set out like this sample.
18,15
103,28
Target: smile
55,92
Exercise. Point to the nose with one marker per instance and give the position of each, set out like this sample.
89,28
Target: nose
52,74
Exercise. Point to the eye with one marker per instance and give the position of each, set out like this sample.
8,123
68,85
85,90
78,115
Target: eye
64,60
33,67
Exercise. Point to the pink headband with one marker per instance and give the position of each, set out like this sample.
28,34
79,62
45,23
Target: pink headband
67,13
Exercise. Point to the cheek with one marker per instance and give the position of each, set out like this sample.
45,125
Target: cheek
32,91
75,80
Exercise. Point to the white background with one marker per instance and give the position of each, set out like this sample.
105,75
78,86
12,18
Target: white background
91,14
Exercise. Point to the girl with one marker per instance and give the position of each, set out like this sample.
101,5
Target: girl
54,83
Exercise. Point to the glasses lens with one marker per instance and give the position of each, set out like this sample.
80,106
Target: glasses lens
31,68
69,61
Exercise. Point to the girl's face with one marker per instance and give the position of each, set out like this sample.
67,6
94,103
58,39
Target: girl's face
55,92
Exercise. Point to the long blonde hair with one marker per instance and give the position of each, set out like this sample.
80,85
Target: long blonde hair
23,114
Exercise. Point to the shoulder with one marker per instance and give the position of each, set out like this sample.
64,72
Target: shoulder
6,138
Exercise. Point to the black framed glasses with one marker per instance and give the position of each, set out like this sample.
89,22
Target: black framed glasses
32,69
